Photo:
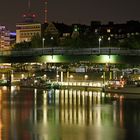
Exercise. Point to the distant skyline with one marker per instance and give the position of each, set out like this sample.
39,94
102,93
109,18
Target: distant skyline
70,11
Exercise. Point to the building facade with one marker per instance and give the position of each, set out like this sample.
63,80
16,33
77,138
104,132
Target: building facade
25,31
4,38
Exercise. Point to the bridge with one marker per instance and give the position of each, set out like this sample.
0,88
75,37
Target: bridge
67,55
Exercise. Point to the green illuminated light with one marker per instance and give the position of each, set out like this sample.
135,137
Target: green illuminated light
51,58
107,59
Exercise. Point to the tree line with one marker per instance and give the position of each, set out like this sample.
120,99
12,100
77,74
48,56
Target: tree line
79,41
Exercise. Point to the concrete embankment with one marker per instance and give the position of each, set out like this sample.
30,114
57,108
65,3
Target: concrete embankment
86,88
128,90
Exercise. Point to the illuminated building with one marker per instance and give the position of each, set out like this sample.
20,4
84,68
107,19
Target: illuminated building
4,38
25,31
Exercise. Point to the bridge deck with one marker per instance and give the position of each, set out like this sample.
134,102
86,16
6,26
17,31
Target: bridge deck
69,51
62,55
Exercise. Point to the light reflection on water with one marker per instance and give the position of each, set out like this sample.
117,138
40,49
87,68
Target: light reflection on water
31,114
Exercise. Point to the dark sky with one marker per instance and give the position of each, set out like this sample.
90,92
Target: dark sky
71,11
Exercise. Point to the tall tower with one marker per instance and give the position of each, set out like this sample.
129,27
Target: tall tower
29,27
29,16
45,12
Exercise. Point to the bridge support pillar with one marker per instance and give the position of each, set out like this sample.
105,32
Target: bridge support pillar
114,75
62,76
104,77
110,75
68,75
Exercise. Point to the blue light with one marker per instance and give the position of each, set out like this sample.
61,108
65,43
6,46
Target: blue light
13,33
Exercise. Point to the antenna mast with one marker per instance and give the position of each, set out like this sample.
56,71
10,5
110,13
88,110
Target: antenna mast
45,12
29,16
29,5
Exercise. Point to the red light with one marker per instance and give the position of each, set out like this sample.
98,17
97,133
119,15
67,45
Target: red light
33,15
24,15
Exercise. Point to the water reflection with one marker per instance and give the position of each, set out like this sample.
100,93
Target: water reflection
67,114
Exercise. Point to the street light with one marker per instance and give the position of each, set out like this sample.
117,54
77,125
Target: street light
109,40
43,43
71,77
57,77
103,78
99,43
109,45
86,77
52,38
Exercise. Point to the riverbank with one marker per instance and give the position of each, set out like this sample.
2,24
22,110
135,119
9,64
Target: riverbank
84,86
127,90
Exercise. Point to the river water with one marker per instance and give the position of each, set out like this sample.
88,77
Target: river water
68,114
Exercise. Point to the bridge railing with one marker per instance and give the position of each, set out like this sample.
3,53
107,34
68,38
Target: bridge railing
69,51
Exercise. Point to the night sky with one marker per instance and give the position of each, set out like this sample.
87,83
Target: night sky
71,11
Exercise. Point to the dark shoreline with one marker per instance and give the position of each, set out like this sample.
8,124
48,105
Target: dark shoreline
125,90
